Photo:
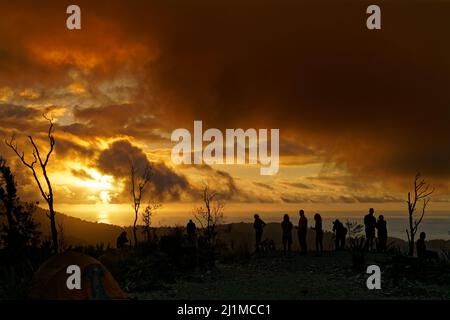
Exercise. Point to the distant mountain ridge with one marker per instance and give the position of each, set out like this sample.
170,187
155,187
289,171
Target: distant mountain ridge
77,231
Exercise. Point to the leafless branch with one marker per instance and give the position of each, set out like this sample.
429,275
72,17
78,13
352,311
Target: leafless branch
46,194
138,188
422,192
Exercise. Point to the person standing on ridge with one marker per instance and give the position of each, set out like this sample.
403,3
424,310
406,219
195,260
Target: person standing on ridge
382,233
258,225
302,231
191,231
340,234
369,224
319,233
286,226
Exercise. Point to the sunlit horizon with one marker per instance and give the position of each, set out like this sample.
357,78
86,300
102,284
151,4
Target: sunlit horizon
179,214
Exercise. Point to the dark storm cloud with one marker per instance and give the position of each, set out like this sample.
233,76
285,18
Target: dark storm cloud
70,150
374,102
116,161
264,185
18,117
116,120
298,185
231,185
368,100
20,121
16,112
82,174
222,181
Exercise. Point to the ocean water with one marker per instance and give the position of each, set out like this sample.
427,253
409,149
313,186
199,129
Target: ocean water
436,226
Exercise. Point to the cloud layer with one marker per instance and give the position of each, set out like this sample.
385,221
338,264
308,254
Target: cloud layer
372,104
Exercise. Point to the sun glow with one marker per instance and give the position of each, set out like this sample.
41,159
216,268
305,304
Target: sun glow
97,181
88,183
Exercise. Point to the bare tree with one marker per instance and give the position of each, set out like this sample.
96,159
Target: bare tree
354,229
20,230
421,194
46,192
139,182
210,214
147,218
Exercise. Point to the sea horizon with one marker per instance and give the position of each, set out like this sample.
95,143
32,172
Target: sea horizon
436,223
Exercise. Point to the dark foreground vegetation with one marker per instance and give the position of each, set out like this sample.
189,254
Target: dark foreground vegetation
171,267
216,261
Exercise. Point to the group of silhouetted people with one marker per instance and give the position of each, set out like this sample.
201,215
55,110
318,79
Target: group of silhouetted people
371,224
287,227
340,232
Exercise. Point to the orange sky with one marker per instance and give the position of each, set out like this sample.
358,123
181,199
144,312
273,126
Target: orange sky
359,112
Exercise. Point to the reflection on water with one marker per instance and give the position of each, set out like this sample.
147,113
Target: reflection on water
103,217
101,213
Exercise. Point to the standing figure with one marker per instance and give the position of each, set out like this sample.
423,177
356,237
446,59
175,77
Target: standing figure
192,232
286,226
369,224
258,225
302,231
421,247
319,233
340,234
422,252
122,240
382,233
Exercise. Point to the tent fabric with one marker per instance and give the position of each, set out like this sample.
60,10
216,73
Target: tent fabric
97,283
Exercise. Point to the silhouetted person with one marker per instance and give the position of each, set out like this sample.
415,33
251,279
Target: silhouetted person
122,240
319,233
258,225
286,226
421,247
369,224
302,230
340,234
422,252
382,233
191,231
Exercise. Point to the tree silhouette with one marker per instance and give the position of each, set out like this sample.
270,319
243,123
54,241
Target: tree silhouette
147,218
20,230
421,193
139,182
210,214
354,229
8,194
47,193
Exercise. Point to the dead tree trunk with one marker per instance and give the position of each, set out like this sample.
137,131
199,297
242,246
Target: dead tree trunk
209,215
47,193
421,193
138,185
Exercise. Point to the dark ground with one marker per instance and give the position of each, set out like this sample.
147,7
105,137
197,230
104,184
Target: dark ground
275,276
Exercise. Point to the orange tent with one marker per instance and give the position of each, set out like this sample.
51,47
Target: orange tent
97,283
